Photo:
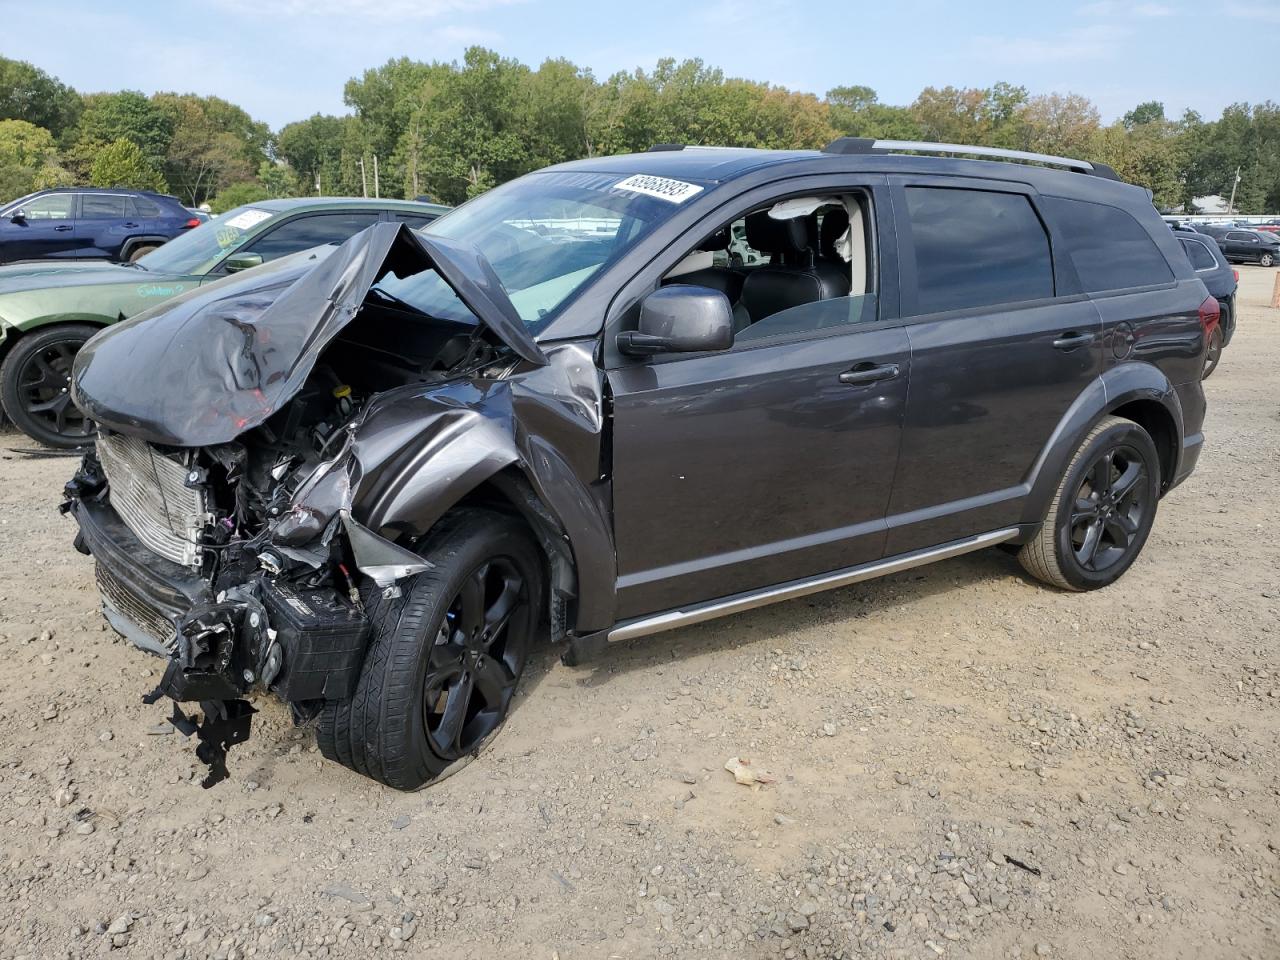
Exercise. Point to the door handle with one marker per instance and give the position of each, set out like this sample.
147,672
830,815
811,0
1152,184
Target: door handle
62,227
869,373
130,224
1072,339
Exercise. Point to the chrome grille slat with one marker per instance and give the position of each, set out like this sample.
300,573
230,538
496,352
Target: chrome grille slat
149,492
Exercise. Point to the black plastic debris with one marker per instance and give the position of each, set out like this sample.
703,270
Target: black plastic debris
225,723
1034,871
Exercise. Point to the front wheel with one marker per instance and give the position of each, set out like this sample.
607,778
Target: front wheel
1266,259
1102,512
445,656
35,385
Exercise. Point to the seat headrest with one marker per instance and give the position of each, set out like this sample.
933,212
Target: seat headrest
717,241
834,223
795,235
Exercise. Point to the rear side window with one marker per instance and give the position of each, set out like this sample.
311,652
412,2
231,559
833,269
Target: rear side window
308,232
1110,249
102,206
1199,255
976,248
147,208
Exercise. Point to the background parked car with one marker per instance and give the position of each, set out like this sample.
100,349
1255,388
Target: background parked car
85,223
48,310
1220,280
1246,246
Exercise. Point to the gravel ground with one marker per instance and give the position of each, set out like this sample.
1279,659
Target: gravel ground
966,764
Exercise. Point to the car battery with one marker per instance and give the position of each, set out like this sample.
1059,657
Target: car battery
322,638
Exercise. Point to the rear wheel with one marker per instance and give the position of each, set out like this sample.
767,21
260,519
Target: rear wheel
1214,353
138,253
445,657
1103,510
35,385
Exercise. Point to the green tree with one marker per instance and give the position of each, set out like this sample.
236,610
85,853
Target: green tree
123,164
237,195
28,159
213,144
127,115
856,111
1151,111
28,93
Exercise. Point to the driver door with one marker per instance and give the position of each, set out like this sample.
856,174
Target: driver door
48,229
768,462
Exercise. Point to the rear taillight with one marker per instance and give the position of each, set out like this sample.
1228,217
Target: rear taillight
1236,275
193,222
1210,314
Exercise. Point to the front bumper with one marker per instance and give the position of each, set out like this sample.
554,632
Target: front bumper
303,643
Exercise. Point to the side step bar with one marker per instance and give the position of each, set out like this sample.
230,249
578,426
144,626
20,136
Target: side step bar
802,588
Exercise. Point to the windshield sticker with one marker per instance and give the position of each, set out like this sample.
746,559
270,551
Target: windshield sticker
243,221
673,191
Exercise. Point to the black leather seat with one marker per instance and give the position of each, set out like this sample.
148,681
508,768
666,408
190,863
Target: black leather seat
727,281
794,275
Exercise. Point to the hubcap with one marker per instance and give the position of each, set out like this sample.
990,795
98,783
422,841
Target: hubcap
44,384
1109,509
476,659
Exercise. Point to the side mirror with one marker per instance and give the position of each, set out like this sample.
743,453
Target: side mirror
242,261
18,216
680,319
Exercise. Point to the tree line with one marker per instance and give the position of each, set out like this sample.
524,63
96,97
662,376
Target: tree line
451,130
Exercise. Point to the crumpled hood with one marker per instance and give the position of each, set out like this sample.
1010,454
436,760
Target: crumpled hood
204,368
23,277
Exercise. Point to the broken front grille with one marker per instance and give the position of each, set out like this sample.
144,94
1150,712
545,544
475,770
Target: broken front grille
149,491
150,621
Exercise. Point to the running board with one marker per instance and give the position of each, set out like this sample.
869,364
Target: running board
802,588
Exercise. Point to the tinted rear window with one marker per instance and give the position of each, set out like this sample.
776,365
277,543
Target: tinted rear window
104,205
1199,255
149,208
976,248
1110,249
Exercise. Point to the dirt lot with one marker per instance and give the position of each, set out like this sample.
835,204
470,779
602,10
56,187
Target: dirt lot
967,765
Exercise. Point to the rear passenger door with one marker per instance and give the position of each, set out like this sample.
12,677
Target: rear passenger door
1000,349
1147,313
106,220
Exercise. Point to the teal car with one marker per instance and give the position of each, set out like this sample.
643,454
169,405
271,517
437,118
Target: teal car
49,310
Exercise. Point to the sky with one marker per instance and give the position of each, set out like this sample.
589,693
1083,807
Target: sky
283,60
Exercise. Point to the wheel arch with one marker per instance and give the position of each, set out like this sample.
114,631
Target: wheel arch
1136,391
16,334
147,240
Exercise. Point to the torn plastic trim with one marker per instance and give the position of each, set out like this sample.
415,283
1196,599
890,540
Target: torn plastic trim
378,558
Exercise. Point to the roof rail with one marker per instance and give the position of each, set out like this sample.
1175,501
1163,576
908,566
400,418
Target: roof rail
664,147
863,145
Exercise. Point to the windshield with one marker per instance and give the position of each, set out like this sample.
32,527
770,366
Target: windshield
195,252
546,235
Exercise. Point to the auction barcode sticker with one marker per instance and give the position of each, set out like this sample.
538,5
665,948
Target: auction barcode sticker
673,191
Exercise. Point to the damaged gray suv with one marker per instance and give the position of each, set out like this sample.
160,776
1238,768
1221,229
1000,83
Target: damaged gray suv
619,396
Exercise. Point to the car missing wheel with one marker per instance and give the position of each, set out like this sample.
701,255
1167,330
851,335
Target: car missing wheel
619,396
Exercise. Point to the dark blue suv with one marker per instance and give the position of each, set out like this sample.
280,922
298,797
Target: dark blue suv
90,223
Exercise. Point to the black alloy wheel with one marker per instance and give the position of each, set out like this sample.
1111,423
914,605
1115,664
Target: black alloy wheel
446,655
35,386
1102,512
1213,354
1109,510
477,659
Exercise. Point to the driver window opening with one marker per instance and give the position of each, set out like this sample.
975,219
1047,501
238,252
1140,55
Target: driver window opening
791,267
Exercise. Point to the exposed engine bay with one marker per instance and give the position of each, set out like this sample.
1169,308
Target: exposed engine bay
241,560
